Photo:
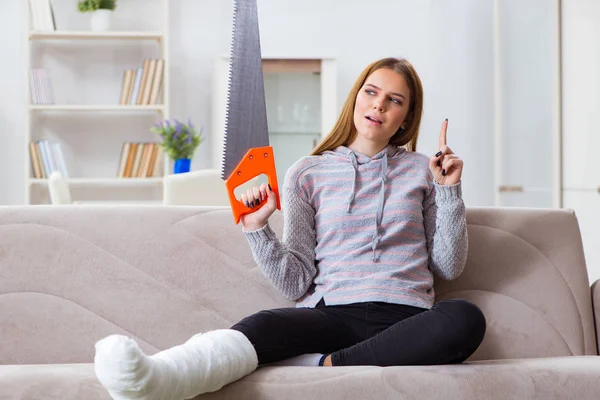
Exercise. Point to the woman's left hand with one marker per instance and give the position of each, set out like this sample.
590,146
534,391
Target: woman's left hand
445,165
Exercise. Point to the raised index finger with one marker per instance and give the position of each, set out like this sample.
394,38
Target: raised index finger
442,141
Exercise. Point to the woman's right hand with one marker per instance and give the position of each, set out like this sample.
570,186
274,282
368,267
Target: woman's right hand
254,197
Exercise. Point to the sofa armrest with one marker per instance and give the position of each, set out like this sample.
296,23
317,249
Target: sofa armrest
596,305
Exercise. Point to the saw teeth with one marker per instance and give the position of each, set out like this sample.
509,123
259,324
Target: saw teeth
223,156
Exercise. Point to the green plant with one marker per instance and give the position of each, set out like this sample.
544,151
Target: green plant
93,5
179,140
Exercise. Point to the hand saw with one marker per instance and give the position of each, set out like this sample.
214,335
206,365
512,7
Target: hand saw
246,153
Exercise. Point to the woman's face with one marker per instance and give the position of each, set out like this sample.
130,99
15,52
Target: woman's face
381,105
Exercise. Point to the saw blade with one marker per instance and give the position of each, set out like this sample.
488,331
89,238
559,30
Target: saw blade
246,115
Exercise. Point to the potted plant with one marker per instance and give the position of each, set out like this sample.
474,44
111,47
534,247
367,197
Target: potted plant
179,141
101,12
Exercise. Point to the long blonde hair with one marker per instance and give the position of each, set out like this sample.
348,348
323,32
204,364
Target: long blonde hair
344,131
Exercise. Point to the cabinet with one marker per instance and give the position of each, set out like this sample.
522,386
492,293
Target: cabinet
300,96
85,117
527,90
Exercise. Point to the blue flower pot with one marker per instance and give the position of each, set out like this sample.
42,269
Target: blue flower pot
182,165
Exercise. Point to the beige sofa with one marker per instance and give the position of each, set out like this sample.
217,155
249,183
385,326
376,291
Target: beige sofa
70,275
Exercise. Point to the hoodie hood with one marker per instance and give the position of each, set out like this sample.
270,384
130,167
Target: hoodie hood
343,154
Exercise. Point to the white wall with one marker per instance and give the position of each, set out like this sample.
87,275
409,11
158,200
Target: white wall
459,85
12,102
449,42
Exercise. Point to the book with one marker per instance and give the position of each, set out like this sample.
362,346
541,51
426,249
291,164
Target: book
143,85
36,162
127,86
139,160
42,15
136,86
47,157
40,87
157,82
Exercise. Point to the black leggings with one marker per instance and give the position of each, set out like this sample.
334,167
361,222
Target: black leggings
370,333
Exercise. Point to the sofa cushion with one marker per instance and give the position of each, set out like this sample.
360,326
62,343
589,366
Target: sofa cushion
526,271
533,379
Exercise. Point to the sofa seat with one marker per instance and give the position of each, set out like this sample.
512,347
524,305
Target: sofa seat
575,377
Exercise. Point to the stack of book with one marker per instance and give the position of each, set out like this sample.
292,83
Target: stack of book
140,160
40,87
47,157
142,86
42,15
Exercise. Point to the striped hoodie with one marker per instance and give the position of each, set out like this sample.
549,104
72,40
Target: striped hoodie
360,229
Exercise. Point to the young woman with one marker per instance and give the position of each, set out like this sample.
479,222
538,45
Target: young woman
367,222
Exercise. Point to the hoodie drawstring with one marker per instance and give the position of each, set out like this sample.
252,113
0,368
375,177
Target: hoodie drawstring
354,168
380,202
380,199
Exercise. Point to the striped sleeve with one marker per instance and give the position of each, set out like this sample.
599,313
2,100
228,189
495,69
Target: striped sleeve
288,264
446,230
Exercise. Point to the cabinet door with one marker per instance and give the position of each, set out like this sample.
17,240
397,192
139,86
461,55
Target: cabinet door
294,115
527,101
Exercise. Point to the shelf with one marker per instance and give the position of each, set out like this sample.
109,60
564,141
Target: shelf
104,181
85,35
96,108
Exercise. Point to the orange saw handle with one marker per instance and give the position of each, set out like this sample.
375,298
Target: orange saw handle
258,160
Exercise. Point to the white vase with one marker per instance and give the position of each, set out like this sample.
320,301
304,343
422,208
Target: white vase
100,20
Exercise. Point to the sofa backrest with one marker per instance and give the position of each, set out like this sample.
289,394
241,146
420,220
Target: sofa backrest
71,275
526,270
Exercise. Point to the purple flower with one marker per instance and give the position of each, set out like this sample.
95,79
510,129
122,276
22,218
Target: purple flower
178,129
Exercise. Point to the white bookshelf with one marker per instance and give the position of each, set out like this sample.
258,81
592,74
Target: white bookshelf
153,36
